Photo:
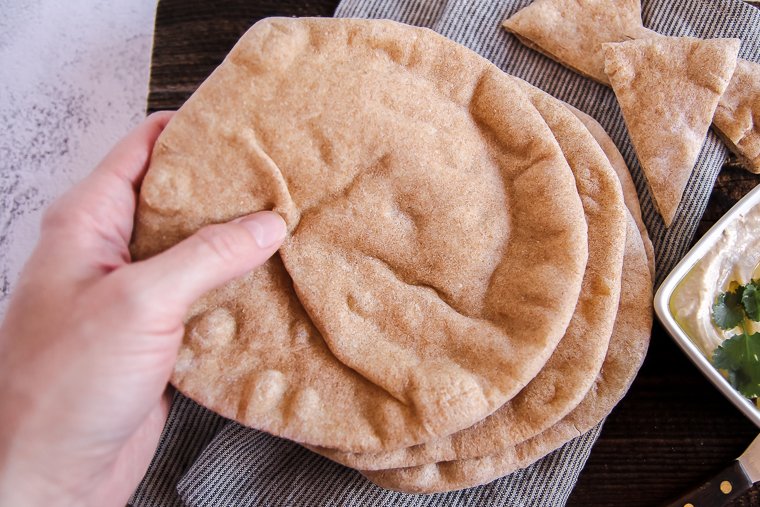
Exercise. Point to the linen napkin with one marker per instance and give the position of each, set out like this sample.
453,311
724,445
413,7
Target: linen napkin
204,460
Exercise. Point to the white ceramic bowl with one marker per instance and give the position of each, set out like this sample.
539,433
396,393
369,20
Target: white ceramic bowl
665,292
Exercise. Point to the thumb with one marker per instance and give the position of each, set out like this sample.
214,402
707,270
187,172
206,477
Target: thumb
212,256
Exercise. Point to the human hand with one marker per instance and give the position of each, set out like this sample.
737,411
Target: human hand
90,339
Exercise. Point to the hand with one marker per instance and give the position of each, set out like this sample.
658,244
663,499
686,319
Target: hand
90,339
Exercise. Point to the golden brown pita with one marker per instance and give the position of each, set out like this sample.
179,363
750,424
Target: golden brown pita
738,114
668,89
572,31
552,28
430,211
575,364
630,195
626,352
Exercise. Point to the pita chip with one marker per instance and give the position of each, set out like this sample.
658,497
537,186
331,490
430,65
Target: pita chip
735,118
668,89
572,31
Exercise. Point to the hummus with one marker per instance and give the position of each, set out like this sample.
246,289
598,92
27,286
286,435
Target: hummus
733,258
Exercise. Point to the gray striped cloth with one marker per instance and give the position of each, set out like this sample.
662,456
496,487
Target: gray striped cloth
205,460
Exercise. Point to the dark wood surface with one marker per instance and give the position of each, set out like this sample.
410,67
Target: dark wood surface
673,429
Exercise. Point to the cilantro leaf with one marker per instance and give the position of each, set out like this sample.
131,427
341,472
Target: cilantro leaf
751,300
727,312
740,357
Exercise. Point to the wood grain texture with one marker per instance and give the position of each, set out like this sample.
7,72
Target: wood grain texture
671,432
193,37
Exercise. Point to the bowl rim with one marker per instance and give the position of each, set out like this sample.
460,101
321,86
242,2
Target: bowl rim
665,291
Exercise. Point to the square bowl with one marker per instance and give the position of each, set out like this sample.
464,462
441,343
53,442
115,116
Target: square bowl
666,317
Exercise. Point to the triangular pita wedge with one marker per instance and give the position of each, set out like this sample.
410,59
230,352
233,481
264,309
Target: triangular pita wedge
735,118
668,89
572,31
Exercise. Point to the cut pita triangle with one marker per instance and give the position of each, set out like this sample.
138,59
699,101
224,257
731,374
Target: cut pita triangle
735,117
572,31
668,89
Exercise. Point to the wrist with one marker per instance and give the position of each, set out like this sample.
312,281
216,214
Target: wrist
28,482
29,474
21,486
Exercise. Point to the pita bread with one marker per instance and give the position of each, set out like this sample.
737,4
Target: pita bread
668,89
626,352
736,117
575,364
572,31
630,195
410,299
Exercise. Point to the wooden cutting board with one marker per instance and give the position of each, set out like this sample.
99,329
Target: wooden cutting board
673,428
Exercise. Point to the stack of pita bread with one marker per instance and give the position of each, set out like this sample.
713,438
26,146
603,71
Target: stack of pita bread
466,284
670,88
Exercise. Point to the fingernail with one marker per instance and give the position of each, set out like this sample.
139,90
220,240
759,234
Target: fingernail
267,227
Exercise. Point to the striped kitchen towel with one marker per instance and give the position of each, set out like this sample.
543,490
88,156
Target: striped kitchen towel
205,460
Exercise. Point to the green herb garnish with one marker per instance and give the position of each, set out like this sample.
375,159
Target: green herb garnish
739,355
727,310
751,300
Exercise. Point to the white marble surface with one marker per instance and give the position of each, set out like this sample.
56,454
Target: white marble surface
74,80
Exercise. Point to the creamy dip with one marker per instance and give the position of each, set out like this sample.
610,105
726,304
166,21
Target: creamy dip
733,258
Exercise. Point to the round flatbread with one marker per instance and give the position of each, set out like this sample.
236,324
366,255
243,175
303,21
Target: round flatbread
431,217
626,352
630,195
575,364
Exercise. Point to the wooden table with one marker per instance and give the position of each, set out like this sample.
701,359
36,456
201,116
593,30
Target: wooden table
671,431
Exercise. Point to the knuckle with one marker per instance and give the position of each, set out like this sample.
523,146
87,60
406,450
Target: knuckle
159,115
124,291
139,299
53,217
64,213
160,118
134,297
222,241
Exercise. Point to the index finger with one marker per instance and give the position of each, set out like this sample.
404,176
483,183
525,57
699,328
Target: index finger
130,157
91,225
